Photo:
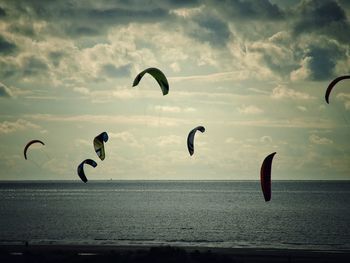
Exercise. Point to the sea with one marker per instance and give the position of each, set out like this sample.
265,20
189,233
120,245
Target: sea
227,214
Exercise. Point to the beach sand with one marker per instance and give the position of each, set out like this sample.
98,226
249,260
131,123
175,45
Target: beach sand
92,253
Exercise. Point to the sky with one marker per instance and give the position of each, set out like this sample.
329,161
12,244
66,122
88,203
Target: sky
253,73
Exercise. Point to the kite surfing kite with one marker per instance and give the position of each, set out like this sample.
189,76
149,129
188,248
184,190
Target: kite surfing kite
265,176
29,144
81,172
190,138
159,77
332,84
99,145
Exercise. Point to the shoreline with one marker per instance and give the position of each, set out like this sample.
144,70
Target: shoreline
146,253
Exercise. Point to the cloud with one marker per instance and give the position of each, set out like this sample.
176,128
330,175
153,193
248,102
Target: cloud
169,140
249,10
112,71
82,90
189,109
232,140
6,47
302,108
276,56
285,123
322,17
123,15
209,29
9,127
5,91
281,92
33,66
2,12
213,77
172,109
251,109
319,140
78,31
82,142
266,139
319,61
133,119
345,98
303,72
56,57
126,137
187,12
322,61
23,29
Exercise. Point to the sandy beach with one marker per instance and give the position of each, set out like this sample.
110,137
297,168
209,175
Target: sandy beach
92,253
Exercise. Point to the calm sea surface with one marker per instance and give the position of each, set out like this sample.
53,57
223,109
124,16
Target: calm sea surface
314,215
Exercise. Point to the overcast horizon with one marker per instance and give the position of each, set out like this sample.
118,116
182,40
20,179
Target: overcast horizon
253,73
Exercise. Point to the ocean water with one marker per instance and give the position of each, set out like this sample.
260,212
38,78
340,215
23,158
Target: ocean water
301,214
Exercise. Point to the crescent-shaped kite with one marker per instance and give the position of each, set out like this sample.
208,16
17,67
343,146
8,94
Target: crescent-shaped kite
265,176
28,145
80,169
157,75
190,138
332,84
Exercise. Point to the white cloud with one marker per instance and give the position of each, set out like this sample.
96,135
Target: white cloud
281,92
175,67
303,72
281,37
172,109
9,127
82,90
302,108
213,77
5,91
266,139
131,119
251,109
169,140
232,140
187,12
82,142
189,109
319,140
288,123
345,98
126,137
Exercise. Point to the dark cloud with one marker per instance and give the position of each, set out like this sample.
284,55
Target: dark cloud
4,91
25,30
210,29
249,9
2,12
322,61
285,4
33,66
82,31
323,17
275,62
8,70
6,47
56,57
181,3
112,71
74,19
119,15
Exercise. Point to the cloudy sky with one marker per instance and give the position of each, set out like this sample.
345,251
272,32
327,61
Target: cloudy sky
253,73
